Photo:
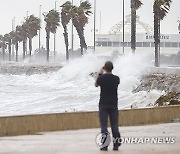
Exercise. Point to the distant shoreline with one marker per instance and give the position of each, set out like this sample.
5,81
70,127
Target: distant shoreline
28,68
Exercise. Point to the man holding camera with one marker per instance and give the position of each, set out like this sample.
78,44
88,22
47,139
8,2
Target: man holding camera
108,104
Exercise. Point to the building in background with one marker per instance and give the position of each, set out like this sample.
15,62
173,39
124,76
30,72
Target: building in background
170,43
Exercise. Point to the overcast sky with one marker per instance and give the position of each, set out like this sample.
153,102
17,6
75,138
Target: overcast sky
111,14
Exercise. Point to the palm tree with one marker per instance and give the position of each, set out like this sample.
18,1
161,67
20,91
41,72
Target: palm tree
65,18
135,5
1,41
16,39
52,20
1,36
160,10
23,34
7,38
13,37
3,46
80,19
32,26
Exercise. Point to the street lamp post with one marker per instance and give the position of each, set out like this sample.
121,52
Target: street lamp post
72,34
13,24
94,25
55,39
47,39
100,24
123,26
13,29
179,24
27,14
26,45
40,27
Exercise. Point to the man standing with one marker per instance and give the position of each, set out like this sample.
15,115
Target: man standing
108,104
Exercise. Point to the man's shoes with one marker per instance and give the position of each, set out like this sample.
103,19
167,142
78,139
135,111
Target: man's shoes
115,148
104,149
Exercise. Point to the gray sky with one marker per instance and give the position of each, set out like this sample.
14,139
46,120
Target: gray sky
111,11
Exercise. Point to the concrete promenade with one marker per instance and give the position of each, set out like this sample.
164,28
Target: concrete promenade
83,141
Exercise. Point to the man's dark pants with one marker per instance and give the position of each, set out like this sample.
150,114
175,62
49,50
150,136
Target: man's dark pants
112,112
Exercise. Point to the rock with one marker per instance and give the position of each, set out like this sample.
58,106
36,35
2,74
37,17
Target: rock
162,82
168,83
171,98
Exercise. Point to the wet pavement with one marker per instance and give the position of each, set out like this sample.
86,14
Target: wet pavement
156,139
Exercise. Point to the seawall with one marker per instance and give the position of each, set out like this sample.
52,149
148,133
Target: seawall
32,124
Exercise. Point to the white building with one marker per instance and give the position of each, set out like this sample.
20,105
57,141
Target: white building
113,41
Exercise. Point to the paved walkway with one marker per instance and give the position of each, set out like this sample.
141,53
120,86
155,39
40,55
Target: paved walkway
83,141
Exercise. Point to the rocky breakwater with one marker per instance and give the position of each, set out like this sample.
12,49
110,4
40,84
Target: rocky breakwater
27,68
168,83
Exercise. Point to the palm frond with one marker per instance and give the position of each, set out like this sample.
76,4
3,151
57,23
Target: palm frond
52,20
137,4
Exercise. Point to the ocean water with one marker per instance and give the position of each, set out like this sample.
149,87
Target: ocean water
72,89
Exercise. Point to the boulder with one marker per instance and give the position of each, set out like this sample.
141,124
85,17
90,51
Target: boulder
171,98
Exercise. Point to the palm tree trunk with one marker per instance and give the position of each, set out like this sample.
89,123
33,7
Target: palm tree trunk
156,36
9,48
30,46
81,36
82,49
66,42
133,26
24,49
84,45
12,51
3,51
47,44
16,46
82,41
